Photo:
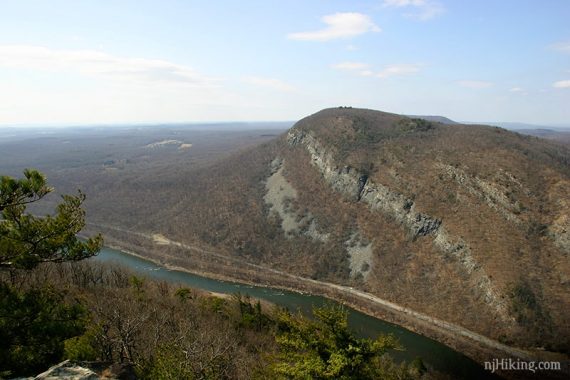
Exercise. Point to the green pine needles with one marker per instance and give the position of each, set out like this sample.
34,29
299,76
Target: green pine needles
27,240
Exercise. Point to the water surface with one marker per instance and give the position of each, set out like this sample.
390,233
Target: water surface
434,354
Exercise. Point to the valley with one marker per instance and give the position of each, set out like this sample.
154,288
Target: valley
435,355
457,232
285,190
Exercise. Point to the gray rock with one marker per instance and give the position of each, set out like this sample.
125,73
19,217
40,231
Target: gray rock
68,371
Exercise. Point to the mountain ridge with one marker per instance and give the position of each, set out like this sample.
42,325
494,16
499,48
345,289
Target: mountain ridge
467,224
388,190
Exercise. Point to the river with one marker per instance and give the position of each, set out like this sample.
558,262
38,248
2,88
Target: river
435,355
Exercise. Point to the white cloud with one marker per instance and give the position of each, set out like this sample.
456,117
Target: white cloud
351,66
363,69
519,91
138,71
424,9
339,25
88,86
562,84
272,83
401,69
475,83
563,47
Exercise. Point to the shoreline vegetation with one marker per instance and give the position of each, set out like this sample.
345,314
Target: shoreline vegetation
168,254
131,326
53,308
467,236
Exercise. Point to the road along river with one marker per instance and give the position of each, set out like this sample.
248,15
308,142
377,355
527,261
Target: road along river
434,354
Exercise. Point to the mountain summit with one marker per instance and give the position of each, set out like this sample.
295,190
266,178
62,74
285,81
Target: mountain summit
469,224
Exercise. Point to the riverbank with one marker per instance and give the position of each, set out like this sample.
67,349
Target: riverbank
207,263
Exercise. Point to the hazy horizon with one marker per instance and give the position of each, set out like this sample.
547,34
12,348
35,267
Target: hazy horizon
92,62
266,124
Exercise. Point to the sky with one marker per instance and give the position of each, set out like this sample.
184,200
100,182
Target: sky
120,61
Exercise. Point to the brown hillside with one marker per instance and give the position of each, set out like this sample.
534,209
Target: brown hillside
466,223
469,224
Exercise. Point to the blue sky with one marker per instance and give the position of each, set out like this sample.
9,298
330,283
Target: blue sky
103,61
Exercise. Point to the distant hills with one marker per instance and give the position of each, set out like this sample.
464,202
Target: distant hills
526,126
507,125
437,119
560,134
467,223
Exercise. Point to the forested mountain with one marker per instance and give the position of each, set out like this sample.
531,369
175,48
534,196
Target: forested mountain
468,224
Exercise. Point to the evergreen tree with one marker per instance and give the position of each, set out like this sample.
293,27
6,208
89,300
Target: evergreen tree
325,348
35,321
27,240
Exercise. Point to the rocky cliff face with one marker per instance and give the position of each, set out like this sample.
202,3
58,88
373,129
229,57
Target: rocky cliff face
280,193
559,230
69,370
464,223
465,220
356,185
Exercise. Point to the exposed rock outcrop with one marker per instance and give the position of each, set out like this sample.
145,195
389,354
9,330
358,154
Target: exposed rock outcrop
361,183
360,256
560,233
69,371
559,230
349,181
357,186
279,196
494,194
